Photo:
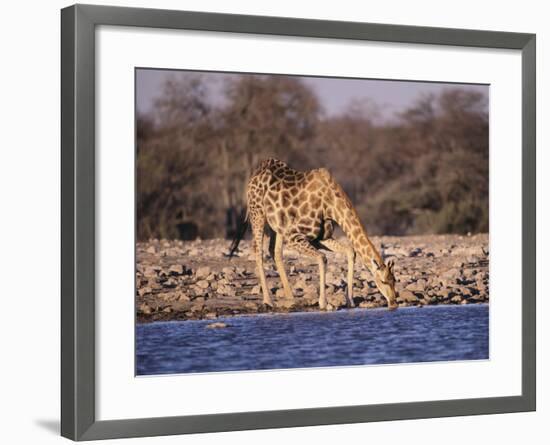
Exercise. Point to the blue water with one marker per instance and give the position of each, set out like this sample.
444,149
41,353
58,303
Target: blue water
315,339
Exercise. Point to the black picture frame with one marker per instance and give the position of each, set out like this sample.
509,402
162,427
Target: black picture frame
78,23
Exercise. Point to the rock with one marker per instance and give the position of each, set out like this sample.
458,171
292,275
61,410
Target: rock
465,292
300,284
203,284
286,303
150,272
432,300
330,307
479,297
408,297
311,289
171,282
226,290
369,305
151,249
197,307
144,291
335,280
145,308
176,269
229,272
203,272
337,299
418,286
183,297
451,273
166,296
217,325
457,271
445,294
154,284
395,251
167,309
477,251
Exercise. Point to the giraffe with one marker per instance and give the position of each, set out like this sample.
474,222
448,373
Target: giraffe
301,209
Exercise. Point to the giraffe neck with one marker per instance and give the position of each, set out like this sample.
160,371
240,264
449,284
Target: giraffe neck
346,217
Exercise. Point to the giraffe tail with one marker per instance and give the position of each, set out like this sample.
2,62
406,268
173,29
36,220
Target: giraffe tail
241,230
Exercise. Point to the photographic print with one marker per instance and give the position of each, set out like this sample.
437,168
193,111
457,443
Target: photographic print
288,221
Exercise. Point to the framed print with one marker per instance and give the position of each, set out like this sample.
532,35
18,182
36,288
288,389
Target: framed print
272,222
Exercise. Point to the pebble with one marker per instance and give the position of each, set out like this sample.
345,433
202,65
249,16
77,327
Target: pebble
144,291
150,272
217,325
429,270
203,284
202,272
145,308
176,269
418,286
408,296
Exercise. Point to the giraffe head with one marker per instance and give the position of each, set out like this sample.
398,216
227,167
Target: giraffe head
385,281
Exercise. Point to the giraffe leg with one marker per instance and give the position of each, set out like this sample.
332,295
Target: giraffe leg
257,222
339,247
300,243
278,255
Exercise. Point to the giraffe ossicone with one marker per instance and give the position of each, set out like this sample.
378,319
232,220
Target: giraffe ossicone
301,209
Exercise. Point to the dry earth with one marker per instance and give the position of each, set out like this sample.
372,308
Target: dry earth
178,280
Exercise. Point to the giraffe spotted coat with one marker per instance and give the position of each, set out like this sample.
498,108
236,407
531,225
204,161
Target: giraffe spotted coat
301,208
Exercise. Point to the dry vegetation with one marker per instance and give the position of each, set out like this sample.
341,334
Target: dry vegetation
423,171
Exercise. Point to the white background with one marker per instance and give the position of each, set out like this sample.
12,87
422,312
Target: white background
29,184
120,395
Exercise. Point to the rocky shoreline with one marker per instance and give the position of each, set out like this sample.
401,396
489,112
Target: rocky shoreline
181,280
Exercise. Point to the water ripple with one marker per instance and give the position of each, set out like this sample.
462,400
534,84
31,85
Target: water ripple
315,339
